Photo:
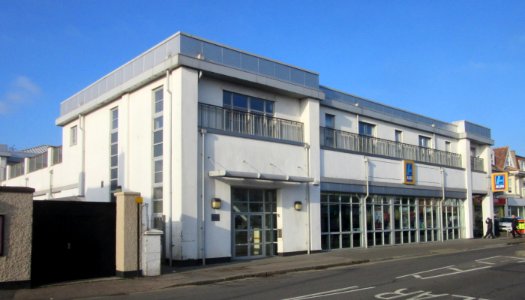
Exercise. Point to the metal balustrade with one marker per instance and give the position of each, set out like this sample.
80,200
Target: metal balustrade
338,139
476,163
249,124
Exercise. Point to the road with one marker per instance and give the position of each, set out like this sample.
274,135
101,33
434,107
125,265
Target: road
483,274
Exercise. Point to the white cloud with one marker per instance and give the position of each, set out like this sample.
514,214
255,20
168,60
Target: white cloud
20,91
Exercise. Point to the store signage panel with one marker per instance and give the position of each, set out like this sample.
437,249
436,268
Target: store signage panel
409,172
499,182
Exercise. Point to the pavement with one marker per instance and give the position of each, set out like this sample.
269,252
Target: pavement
265,267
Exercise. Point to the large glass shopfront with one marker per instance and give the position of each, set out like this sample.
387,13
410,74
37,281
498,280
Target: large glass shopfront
386,220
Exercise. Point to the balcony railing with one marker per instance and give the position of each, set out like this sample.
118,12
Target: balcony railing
337,139
476,163
249,124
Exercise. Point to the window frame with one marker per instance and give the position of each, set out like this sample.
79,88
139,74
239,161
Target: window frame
157,156
448,146
425,138
328,116
228,101
398,136
73,135
113,144
362,125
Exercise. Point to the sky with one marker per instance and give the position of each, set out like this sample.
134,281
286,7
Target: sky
449,60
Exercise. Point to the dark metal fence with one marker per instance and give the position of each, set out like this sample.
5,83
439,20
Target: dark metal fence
250,124
338,139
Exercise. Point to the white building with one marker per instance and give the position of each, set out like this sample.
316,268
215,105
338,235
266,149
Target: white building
291,166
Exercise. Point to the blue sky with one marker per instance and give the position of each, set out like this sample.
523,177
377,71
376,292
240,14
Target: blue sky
449,60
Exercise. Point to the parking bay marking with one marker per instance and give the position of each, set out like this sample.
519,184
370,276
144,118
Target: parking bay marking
484,263
402,293
345,290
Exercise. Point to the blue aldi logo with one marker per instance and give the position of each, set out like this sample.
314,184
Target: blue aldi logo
499,182
409,172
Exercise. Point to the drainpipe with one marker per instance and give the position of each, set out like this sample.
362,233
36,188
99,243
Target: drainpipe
203,225
82,179
309,211
367,178
442,171
50,184
170,216
365,236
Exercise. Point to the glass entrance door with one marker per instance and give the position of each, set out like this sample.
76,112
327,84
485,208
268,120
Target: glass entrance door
254,228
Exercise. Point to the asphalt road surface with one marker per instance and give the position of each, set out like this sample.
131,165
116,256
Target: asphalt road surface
496,273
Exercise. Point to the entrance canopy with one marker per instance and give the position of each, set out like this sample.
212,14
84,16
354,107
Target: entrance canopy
259,176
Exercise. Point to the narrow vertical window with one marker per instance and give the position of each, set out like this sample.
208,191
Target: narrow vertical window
73,136
113,165
329,132
158,163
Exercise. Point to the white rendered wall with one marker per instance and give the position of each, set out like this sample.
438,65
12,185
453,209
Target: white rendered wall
184,163
349,166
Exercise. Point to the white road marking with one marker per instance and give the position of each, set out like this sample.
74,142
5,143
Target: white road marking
346,290
483,263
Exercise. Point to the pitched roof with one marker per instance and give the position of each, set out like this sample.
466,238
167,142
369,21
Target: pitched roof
500,154
36,150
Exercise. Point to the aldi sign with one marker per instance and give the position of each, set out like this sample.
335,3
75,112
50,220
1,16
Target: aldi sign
499,182
409,172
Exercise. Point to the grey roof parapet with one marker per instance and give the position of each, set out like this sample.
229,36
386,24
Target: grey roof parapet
363,103
185,49
181,43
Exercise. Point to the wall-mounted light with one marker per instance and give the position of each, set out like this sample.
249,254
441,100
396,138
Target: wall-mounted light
298,205
215,203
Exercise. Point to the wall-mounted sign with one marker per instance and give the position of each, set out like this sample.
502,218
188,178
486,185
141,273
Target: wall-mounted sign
409,172
499,182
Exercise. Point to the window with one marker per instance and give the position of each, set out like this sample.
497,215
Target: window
511,184
522,165
508,161
329,121
329,132
38,162
448,147
424,141
73,136
473,152
114,150
247,103
157,159
57,155
398,136
366,129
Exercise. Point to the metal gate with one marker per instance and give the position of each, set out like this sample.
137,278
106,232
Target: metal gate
72,240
